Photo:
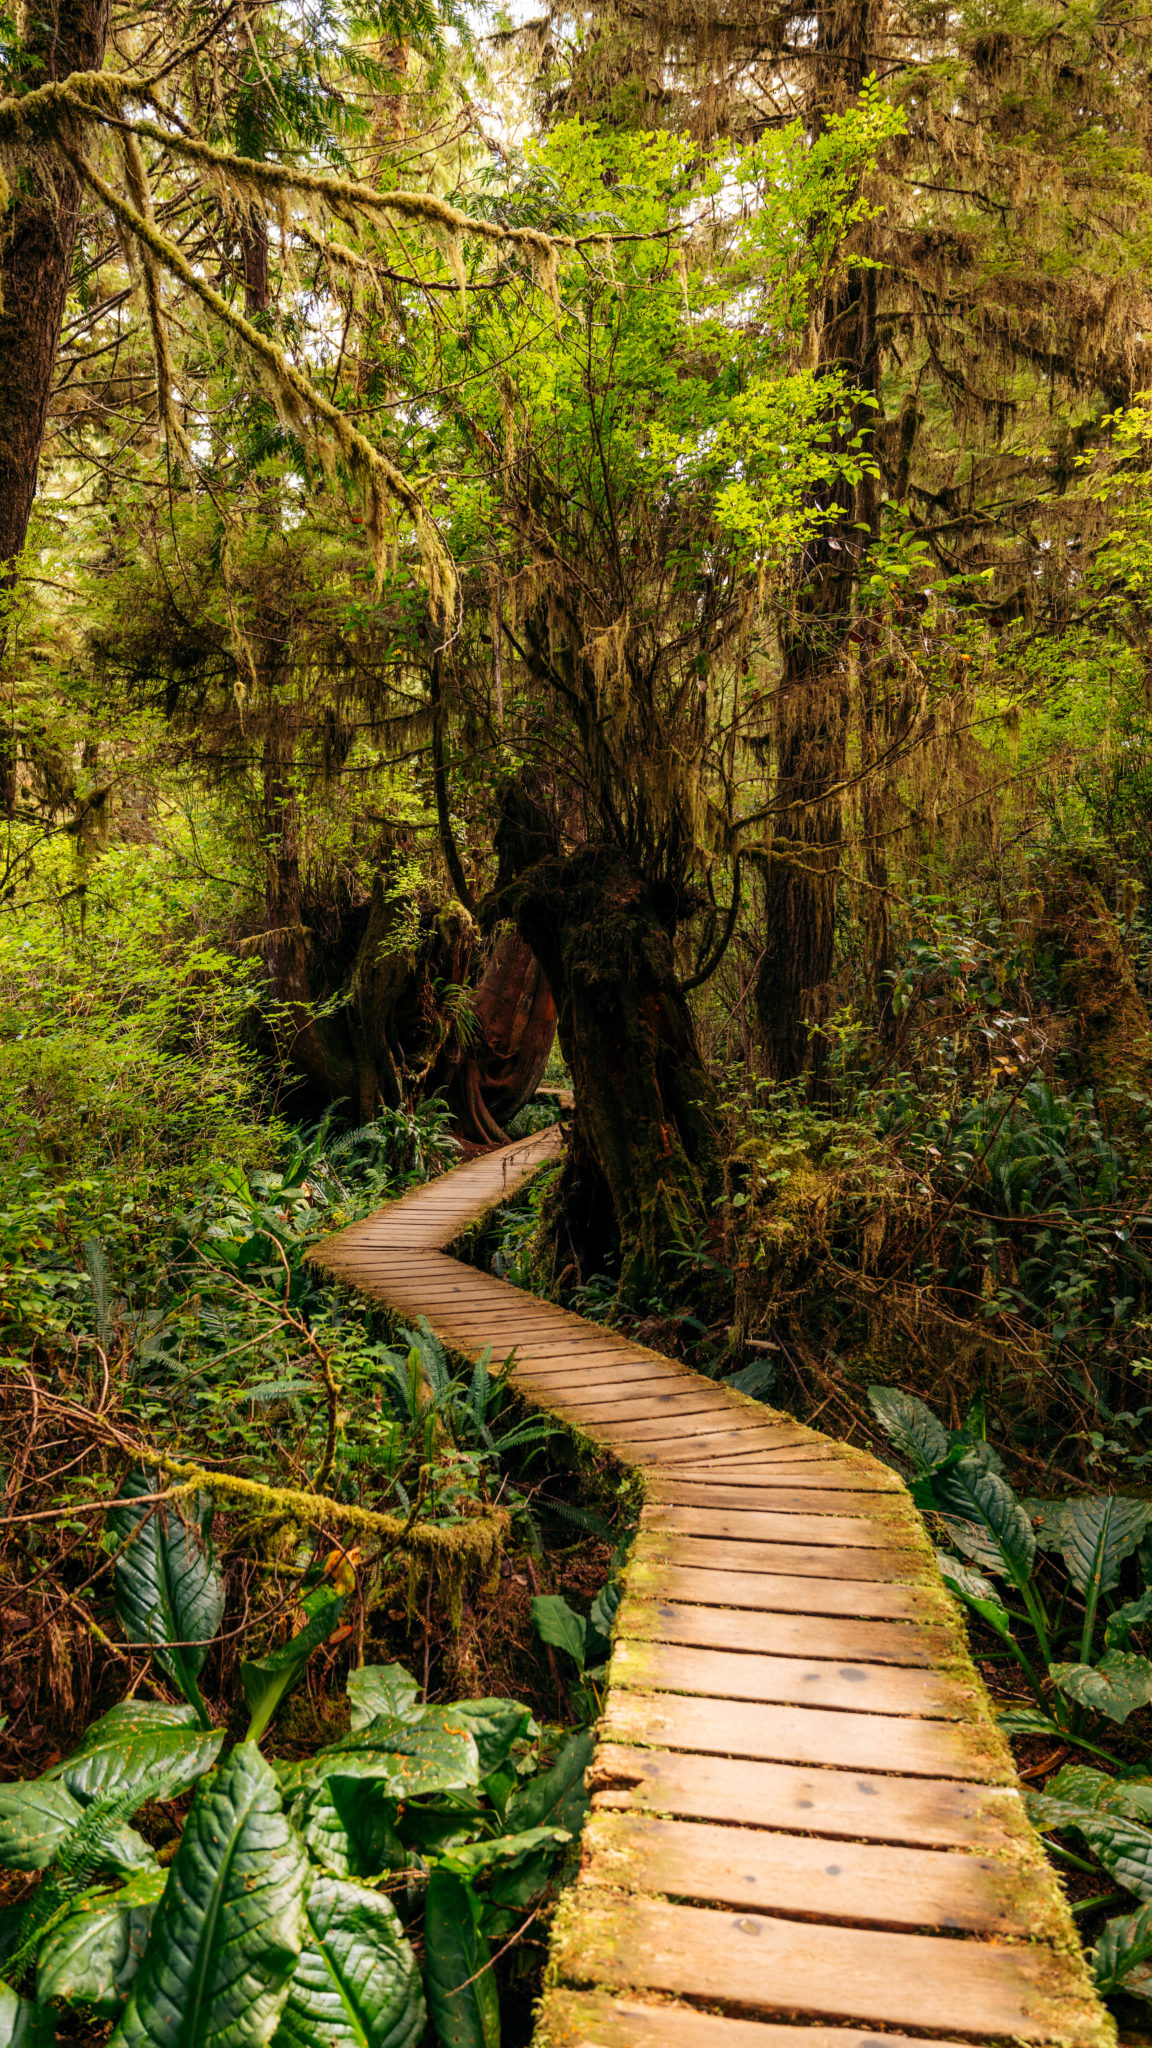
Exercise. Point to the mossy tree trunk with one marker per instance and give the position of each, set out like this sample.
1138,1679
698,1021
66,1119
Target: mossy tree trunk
814,700
37,237
643,1166
1112,1030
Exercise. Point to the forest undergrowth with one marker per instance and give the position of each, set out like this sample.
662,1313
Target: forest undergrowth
347,1534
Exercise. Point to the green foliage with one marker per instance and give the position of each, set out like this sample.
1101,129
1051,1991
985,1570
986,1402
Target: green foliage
259,1930
168,1590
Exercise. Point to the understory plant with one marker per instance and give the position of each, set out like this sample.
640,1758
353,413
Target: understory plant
348,1896
1046,1577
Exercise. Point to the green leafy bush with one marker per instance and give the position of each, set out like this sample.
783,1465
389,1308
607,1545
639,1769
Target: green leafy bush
293,1892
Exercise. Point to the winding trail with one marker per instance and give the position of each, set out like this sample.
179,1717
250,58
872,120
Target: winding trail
806,1830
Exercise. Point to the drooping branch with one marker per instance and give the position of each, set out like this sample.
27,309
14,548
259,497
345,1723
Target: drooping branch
51,110
295,397
706,972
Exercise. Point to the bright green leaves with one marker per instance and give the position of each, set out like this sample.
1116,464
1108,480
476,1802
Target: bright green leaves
168,1591
985,1518
23,2024
377,1689
1116,1686
560,1626
356,1984
1123,1960
1096,1535
910,1424
405,1759
227,1931
461,1990
36,1819
266,1680
557,1796
139,1743
40,1822
91,1956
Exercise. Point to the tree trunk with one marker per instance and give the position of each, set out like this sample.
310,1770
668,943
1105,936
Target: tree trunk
644,1135
516,1016
811,736
318,1047
1111,1032
38,236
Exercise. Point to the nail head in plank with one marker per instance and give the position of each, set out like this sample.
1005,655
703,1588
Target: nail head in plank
780,1595
851,1883
854,1688
766,1966
877,1531
793,1559
807,1735
782,1635
927,1813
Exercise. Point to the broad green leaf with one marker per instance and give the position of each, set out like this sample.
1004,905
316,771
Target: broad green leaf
1097,1534
168,1591
497,1726
462,1997
377,1689
356,1984
1133,1615
600,1620
91,1956
36,1819
918,1434
978,1592
1047,1519
436,1754
557,1797
122,1750
472,1859
349,1827
23,2024
1081,1783
985,1519
1116,1686
227,1931
267,1679
1123,1846
560,1625
1046,1813
1027,1721
1123,1954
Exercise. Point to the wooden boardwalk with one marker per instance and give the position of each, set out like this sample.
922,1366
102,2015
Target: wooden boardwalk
805,1828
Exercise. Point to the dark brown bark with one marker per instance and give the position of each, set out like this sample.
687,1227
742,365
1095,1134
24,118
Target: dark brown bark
643,1150
38,236
811,737
516,1018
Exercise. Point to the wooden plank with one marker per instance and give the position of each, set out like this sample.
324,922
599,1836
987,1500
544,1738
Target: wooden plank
740,1436
795,1494
855,1884
789,1966
783,1635
784,1468
929,1813
593,2019
673,1402
594,1380
806,1735
858,1688
776,1594
869,1532
797,1560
